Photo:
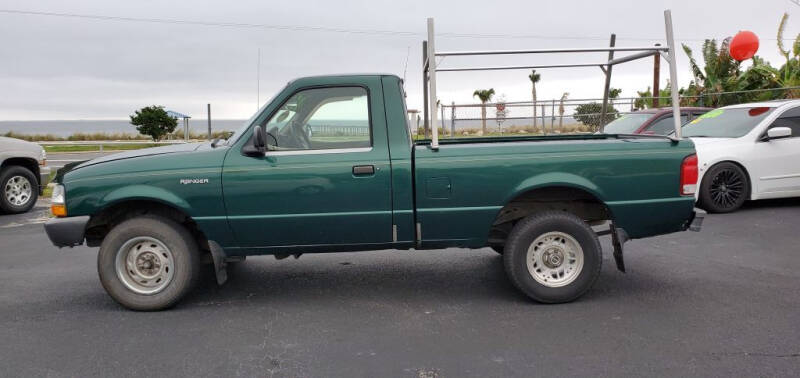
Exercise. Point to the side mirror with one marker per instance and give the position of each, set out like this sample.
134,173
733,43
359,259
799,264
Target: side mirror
257,145
259,139
779,133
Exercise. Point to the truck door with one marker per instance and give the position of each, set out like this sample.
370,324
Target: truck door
326,178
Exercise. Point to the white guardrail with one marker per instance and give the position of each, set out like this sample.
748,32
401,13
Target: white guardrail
101,143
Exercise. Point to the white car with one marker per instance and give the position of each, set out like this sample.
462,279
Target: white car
747,152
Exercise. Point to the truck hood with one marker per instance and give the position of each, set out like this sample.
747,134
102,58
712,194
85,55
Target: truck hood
29,149
170,149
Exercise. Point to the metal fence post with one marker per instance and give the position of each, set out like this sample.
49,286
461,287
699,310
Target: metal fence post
443,128
544,124
452,119
553,117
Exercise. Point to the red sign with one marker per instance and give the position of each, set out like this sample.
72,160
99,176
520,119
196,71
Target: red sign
500,107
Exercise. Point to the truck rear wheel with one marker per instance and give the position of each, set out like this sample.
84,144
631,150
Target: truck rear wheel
148,263
553,257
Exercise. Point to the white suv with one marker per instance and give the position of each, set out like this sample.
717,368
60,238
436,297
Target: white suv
23,174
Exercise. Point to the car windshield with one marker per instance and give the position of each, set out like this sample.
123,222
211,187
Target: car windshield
626,124
726,122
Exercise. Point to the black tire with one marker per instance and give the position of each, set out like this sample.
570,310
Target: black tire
185,262
13,172
526,231
724,189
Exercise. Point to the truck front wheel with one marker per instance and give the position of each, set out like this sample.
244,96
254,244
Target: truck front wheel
19,189
148,263
553,257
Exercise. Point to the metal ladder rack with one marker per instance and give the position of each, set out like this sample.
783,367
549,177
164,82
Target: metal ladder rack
429,69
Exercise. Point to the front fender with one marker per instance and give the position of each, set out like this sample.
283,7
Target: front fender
144,192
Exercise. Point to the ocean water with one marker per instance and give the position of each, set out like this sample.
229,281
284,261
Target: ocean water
68,127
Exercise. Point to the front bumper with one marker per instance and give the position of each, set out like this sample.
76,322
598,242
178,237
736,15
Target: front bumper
696,222
44,178
66,232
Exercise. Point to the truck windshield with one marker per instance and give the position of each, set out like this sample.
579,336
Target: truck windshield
626,124
250,122
726,122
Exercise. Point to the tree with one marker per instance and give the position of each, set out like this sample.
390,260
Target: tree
645,100
153,121
485,95
789,74
613,93
590,115
723,74
534,78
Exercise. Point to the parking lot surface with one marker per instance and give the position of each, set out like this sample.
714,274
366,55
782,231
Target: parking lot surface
722,302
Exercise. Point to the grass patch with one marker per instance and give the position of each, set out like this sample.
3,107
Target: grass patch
48,192
91,148
103,136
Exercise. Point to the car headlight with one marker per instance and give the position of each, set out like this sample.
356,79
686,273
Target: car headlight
43,158
58,201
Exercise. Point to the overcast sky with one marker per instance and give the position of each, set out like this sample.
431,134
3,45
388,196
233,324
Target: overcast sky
76,68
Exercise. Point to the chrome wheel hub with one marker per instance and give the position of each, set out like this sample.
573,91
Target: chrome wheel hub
18,190
555,259
145,265
552,258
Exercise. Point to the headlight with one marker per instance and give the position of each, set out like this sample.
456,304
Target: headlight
57,201
43,158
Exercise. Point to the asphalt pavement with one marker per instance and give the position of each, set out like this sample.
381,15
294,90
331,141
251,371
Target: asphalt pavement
722,302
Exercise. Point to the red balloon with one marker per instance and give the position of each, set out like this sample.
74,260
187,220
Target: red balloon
743,45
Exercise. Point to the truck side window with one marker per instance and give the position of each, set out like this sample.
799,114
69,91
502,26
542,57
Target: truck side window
323,118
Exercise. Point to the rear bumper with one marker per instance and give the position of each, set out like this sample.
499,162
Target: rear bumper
696,222
66,232
44,178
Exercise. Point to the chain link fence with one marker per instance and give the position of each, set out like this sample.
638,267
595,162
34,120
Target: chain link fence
566,116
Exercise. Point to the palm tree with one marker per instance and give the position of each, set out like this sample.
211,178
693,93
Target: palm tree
561,110
789,74
485,95
723,74
534,78
720,74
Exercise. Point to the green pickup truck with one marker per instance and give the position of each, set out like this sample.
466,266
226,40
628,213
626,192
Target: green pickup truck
329,165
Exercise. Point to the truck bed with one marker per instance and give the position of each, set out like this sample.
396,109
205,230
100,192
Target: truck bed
471,179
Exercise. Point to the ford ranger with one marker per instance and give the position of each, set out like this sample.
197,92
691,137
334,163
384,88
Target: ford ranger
329,165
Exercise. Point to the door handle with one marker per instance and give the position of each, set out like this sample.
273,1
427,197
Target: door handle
360,170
